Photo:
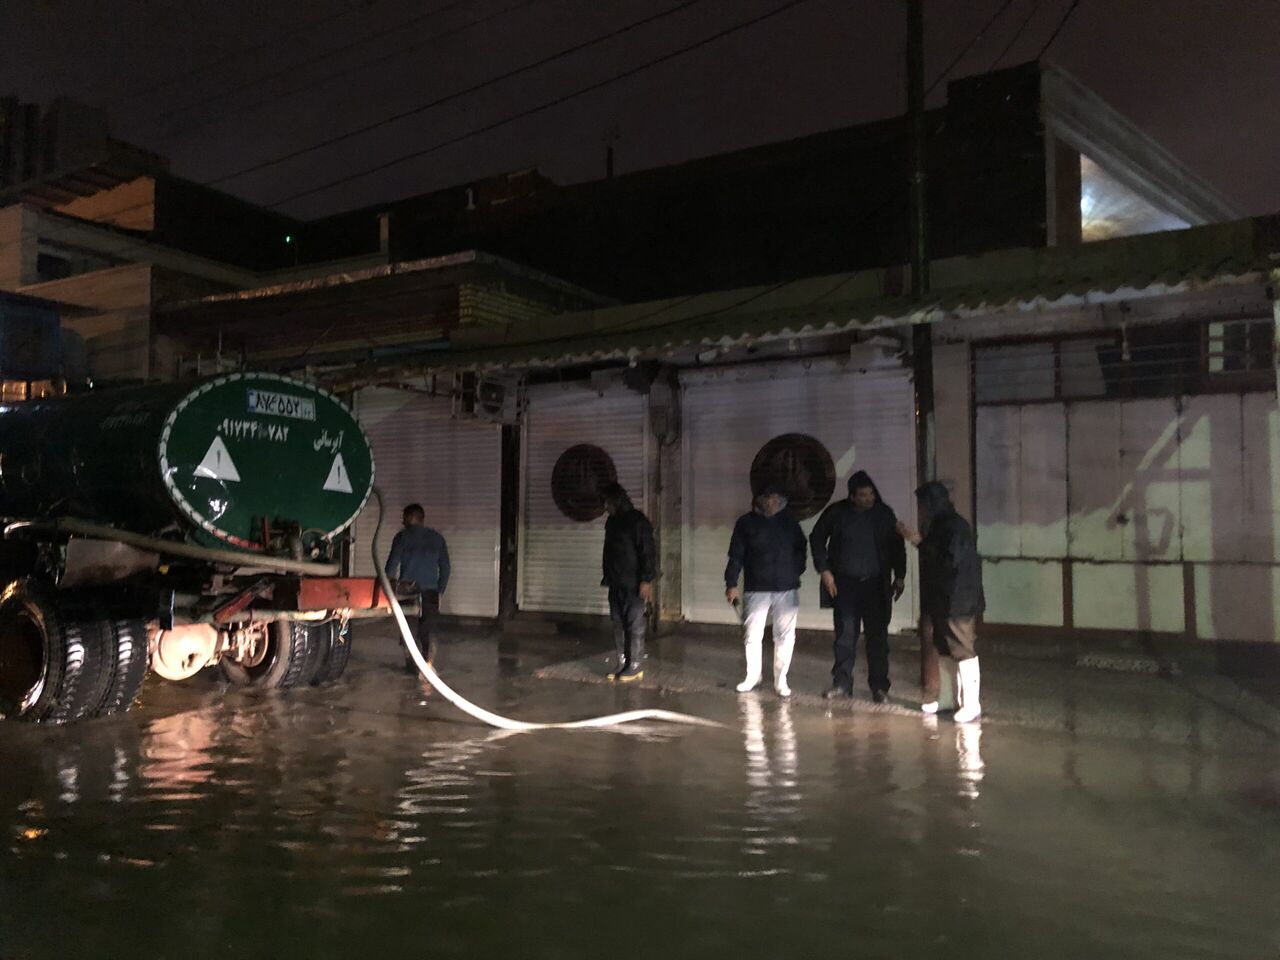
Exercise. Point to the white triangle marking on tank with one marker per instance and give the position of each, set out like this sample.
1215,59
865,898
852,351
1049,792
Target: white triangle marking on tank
338,480
217,463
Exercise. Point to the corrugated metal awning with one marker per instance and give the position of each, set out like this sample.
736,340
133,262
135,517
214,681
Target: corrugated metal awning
1028,278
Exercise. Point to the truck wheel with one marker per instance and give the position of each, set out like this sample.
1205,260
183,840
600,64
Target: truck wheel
289,661
335,651
51,669
128,661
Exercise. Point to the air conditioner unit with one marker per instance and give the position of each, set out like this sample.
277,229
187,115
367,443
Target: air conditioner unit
499,399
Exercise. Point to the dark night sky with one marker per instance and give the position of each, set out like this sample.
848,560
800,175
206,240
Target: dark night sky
1201,76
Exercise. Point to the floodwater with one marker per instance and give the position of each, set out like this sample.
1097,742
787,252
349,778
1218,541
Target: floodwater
364,821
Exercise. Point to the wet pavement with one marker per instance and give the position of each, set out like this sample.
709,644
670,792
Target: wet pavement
1091,814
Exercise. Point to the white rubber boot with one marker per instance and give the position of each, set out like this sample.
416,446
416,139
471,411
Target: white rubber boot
947,688
970,682
754,656
781,664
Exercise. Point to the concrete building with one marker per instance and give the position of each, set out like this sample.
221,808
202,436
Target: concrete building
1106,412
1023,157
103,230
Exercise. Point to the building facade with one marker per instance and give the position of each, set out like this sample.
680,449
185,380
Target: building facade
1103,358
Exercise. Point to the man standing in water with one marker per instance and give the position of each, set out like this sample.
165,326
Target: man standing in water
951,597
420,555
630,565
768,545
863,562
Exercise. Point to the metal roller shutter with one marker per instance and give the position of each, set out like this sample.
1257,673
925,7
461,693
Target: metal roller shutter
453,468
560,556
864,419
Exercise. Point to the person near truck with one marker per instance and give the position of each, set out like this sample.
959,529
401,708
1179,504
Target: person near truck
951,598
419,563
767,549
862,560
630,564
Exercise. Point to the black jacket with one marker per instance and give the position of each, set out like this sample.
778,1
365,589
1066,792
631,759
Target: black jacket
770,549
950,569
630,557
829,534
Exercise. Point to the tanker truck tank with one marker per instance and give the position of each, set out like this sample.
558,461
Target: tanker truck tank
177,525
217,459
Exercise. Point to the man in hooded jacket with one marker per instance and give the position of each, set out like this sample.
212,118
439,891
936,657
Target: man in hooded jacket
630,565
951,598
862,560
767,546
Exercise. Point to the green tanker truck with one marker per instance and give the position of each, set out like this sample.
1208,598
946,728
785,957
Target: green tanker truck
172,527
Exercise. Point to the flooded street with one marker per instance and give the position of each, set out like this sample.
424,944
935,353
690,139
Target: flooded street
361,820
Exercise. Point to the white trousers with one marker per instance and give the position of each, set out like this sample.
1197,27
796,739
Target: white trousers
760,607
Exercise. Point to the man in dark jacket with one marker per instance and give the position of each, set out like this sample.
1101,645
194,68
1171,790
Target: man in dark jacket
951,598
863,562
630,566
768,545
420,556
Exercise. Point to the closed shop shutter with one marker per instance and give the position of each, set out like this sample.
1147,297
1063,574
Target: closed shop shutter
862,418
1134,495
590,437
452,466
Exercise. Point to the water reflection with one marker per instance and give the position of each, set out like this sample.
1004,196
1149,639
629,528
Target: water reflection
177,754
321,823
969,759
772,761
445,776
773,800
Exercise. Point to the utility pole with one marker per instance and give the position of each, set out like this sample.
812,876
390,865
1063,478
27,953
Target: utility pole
921,333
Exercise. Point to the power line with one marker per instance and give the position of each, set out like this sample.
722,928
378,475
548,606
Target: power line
1017,35
227,58
969,46
301,64
1061,23
547,105
314,82
131,242
404,114
543,61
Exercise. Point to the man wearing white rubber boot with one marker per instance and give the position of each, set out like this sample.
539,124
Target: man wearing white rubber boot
951,599
769,547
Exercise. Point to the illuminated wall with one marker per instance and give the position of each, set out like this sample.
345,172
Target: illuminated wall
1110,209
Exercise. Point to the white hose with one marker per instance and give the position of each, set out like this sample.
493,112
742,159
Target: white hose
481,714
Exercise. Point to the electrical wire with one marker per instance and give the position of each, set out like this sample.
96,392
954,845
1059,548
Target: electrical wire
466,91
1017,35
152,87
320,57
969,46
296,153
314,82
532,111
1057,30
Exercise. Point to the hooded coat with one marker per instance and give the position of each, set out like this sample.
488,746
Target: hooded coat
829,534
950,569
630,556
